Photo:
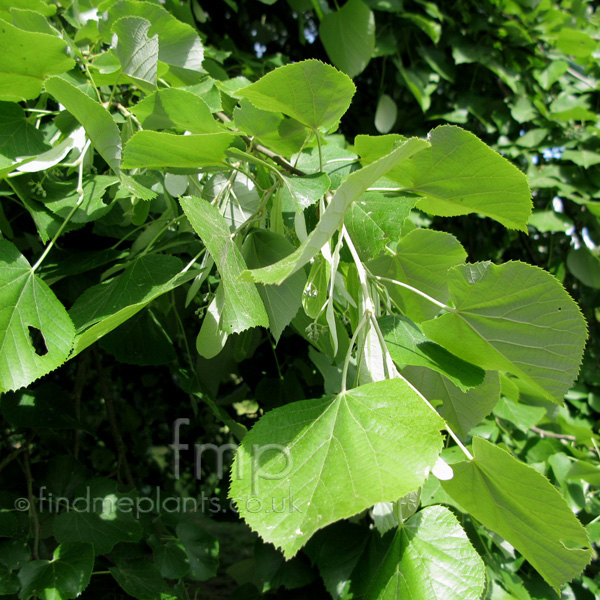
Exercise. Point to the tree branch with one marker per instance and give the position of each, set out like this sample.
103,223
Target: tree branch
557,436
276,158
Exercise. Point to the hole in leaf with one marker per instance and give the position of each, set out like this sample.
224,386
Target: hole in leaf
37,341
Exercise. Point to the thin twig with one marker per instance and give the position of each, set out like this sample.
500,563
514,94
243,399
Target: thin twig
112,419
15,453
276,158
80,379
557,436
32,506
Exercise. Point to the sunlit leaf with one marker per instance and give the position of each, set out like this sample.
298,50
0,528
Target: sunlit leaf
534,331
515,501
27,59
243,307
155,150
310,91
36,333
96,120
331,458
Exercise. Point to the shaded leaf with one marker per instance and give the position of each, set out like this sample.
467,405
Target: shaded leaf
423,259
375,220
142,580
201,547
430,558
62,578
408,346
462,410
348,35
47,405
100,516
18,139
281,302
302,192
104,307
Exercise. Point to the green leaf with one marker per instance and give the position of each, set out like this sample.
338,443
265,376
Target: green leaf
18,139
14,553
548,220
430,558
316,290
96,120
462,410
157,150
179,44
243,307
522,506
202,548
385,114
29,309
313,462
137,53
372,147
175,109
522,416
460,175
408,346
27,59
104,307
40,6
62,196
169,557
142,580
336,551
30,20
348,35
302,192
575,42
585,266
100,516
282,134
310,91
9,582
46,406
211,338
516,318
375,220
240,197
421,82
141,340
281,302
423,258
352,188
583,158
62,578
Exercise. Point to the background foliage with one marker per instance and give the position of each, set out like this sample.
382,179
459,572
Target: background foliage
160,326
